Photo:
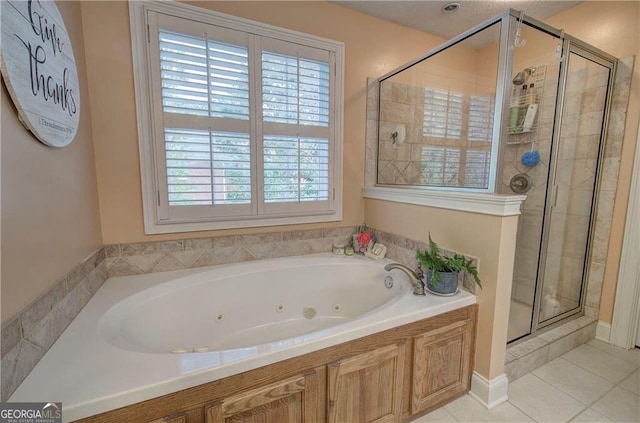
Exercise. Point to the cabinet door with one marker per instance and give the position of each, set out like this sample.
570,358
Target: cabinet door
289,401
366,388
441,365
176,418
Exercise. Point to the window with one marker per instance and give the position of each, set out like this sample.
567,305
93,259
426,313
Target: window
240,123
442,114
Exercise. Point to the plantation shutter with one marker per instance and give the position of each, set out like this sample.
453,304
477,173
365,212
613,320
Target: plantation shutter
477,169
203,81
243,123
440,166
296,129
480,118
443,114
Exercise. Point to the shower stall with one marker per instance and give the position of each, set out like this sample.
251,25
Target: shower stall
512,106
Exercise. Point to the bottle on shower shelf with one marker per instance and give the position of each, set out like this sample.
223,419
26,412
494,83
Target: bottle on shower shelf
522,108
530,109
514,110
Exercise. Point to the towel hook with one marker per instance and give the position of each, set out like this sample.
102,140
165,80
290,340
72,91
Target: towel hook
519,42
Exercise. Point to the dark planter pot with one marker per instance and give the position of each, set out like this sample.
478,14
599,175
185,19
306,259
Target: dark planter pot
446,285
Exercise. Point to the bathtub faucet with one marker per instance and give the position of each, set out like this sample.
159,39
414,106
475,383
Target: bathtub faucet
416,280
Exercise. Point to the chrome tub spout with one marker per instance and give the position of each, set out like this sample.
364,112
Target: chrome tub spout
416,280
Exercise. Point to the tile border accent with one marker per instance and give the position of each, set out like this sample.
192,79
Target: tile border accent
29,335
149,257
526,356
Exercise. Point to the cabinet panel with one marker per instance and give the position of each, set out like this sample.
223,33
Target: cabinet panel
291,400
441,365
176,418
366,388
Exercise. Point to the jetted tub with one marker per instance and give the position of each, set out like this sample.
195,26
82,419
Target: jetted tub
144,336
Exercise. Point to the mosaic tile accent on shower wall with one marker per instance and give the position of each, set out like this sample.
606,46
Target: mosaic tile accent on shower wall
149,257
29,335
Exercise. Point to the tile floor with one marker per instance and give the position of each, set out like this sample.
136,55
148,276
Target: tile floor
592,383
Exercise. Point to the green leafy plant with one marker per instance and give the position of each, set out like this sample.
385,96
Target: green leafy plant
438,262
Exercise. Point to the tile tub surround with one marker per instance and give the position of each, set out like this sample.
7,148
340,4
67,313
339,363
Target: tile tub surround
151,257
30,334
535,352
403,250
123,375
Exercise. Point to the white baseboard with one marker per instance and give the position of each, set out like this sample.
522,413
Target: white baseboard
489,392
603,331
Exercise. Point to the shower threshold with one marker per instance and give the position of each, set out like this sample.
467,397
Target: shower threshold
531,353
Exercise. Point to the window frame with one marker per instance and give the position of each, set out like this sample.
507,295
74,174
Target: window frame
155,220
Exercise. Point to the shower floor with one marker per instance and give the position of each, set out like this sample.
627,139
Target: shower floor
519,320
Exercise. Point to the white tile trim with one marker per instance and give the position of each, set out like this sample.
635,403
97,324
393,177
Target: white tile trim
473,202
603,331
490,393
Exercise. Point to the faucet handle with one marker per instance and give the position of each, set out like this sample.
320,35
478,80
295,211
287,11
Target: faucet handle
420,271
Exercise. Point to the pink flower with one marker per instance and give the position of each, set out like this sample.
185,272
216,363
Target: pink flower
364,239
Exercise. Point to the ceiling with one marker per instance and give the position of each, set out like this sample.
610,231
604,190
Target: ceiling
427,15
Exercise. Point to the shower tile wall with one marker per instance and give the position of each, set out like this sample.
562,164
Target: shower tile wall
530,222
578,139
400,104
576,171
608,184
404,105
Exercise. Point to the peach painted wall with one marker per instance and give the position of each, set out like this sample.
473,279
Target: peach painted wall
491,239
612,26
50,214
372,48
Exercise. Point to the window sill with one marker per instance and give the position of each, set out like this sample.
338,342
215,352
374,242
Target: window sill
174,227
472,202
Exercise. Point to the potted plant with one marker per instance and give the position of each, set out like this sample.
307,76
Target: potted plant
441,276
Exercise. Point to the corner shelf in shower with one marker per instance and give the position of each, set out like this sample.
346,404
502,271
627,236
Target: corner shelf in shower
523,136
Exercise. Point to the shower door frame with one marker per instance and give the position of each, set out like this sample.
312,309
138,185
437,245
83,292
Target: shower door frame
569,45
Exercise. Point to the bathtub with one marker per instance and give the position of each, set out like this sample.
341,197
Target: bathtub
144,336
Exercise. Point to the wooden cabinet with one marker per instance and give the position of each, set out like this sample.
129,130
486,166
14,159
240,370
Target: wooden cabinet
366,388
391,376
176,418
441,365
291,400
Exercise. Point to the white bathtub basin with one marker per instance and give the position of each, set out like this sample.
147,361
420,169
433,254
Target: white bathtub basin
117,351
222,309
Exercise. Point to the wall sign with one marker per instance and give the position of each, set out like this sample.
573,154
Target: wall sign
39,69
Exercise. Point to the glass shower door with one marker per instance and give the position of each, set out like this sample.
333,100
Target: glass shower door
571,193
